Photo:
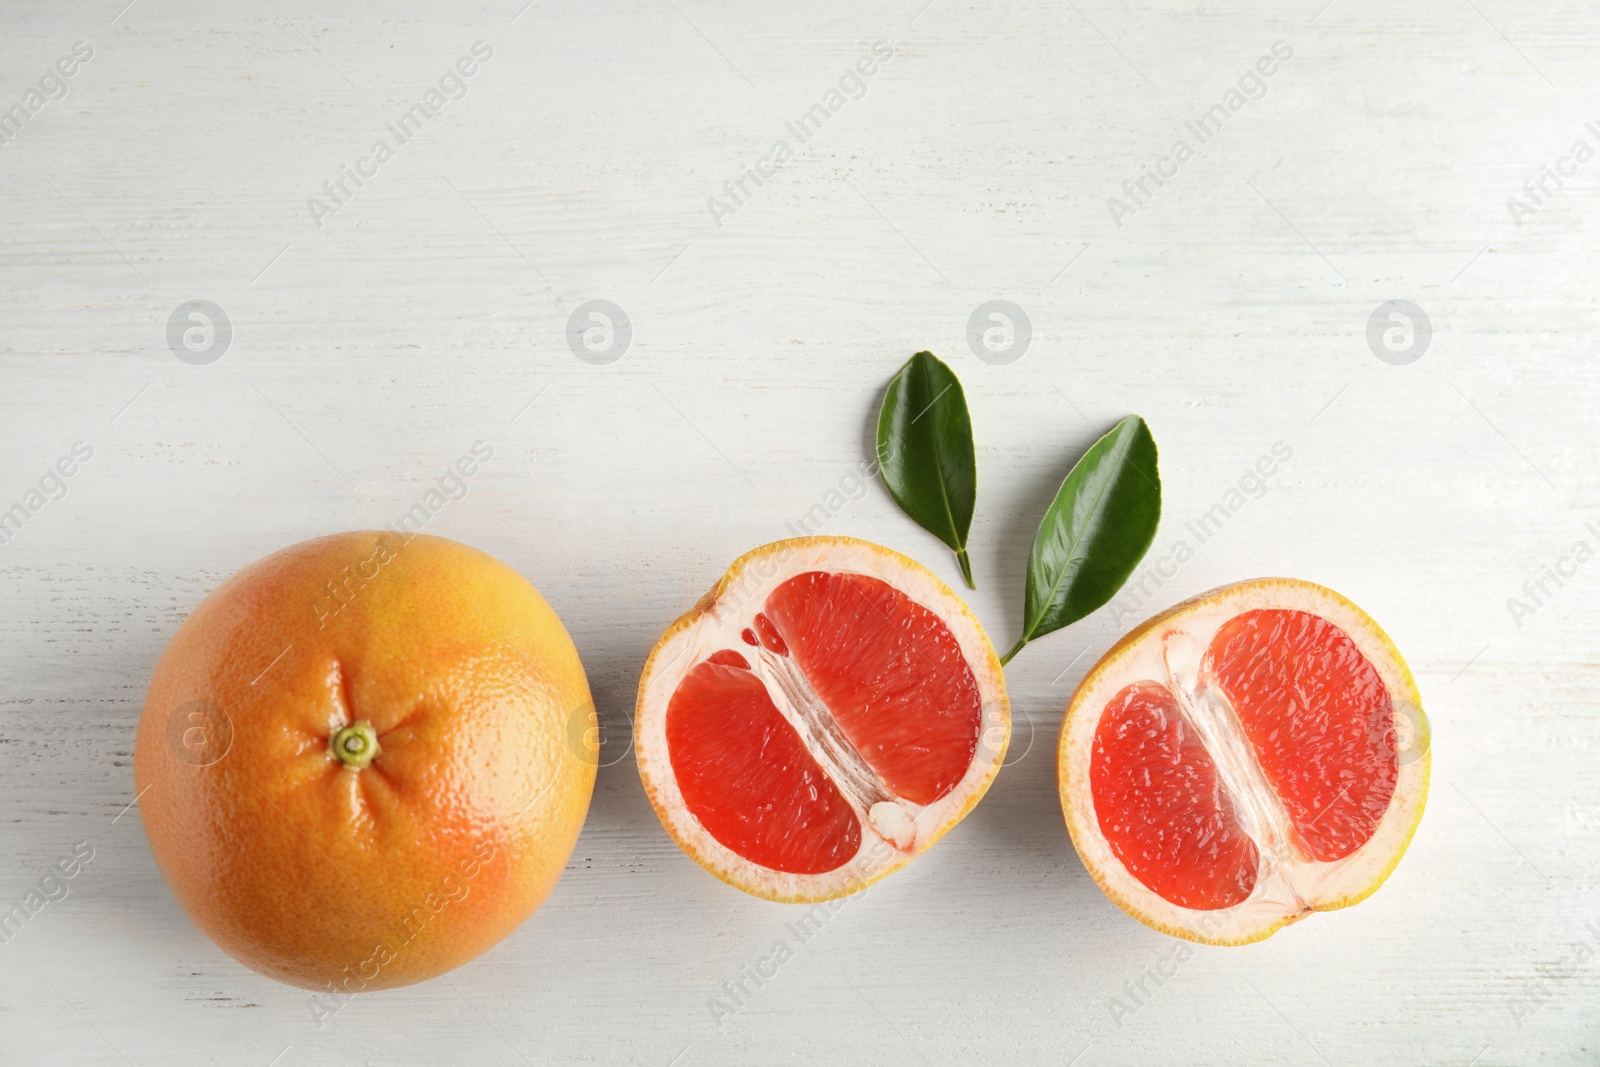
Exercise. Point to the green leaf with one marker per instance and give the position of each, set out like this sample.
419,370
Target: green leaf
925,452
1095,532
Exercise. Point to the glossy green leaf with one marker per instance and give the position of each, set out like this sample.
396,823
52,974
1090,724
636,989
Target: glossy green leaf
925,452
1095,532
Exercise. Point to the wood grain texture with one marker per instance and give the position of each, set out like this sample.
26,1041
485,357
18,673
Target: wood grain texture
430,312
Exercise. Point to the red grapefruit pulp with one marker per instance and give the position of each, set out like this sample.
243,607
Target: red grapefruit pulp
822,716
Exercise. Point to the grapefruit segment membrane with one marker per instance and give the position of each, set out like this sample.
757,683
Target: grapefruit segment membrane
1164,805
1252,755
746,775
891,674
1319,719
822,716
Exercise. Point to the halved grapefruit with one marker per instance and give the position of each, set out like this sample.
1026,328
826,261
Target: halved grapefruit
1252,755
827,712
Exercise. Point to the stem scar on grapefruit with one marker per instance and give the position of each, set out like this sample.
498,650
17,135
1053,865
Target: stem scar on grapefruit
825,714
1248,757
365,759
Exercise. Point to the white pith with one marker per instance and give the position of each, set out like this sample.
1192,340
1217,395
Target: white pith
894,830
1169,650
878,809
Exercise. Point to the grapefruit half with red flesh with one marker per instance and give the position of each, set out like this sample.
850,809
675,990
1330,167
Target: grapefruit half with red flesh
827,712
1246,758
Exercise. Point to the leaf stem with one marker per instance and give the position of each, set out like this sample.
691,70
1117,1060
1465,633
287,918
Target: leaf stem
1014,650
966,567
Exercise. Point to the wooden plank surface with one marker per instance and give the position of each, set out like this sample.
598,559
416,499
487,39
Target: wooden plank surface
374,344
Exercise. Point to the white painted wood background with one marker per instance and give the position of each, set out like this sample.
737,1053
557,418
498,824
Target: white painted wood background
430,313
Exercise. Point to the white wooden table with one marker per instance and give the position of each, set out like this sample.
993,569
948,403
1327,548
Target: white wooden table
376,338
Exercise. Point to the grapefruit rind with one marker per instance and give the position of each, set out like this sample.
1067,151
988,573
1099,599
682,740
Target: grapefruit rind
1317,886
715,623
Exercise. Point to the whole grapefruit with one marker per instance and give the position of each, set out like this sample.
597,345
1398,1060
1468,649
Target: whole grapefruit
365,759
